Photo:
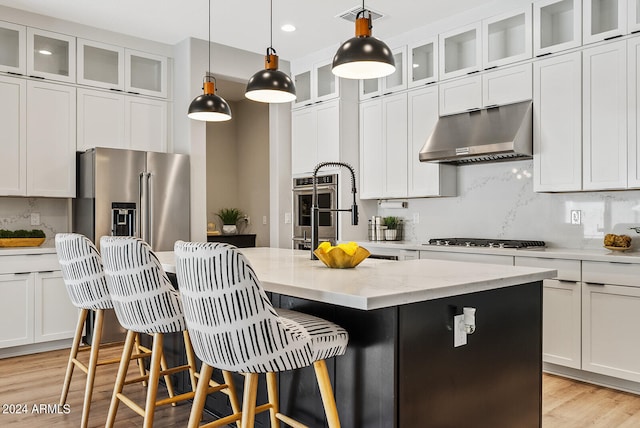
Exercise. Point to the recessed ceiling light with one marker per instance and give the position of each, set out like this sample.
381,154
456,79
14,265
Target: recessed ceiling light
44,52
288,28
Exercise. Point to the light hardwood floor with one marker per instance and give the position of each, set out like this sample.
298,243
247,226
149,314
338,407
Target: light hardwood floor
37,380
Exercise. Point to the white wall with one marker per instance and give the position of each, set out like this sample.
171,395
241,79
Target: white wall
497,201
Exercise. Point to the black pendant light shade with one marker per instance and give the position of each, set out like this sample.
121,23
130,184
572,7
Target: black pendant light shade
363,56
271,85
209,107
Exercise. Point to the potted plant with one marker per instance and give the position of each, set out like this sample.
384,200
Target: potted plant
391,232
21,238
230,218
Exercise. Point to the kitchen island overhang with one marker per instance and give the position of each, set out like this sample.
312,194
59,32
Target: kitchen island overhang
401,368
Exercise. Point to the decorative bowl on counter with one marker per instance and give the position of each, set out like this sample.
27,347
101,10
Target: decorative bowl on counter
612,248
21,242
342,256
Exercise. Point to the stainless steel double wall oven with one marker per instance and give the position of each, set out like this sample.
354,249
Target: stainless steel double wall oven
327,187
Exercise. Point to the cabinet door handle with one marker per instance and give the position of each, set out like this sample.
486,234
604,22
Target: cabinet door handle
14,73
544,54
613,37
474,72
37,77
635,32
471,110
491,68
22,273
116,90
492,106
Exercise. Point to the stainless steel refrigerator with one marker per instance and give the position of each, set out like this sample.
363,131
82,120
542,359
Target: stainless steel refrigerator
131,193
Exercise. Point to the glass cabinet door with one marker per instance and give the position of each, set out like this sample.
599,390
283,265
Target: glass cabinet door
422,63
507,38
397,80
145,74
604,19
370,88
557,25
12,48
460,51
51,55
633,13
302,81
100,65
326,83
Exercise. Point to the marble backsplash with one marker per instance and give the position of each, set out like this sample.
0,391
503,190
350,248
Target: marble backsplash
496,200
15,213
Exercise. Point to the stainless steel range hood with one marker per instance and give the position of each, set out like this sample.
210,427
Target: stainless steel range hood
493,134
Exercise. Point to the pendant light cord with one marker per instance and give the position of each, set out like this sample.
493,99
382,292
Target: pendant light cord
209,45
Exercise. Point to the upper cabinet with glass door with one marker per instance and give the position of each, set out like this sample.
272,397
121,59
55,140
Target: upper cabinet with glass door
633,13
460,51
507,38
145,74
557,26
12,48
100,65
314,83
51,55
396,81
604,20
422,62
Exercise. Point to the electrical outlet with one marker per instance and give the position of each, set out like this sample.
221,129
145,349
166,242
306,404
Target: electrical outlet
287,218
459,334
576,217
416,218
264,219
35,219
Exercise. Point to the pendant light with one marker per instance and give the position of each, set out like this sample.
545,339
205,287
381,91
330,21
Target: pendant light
271,85
209,107
363,56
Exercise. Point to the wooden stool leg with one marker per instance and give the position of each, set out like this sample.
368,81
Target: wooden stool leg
233,396
326,392
154,379
164,366
249,400
201,396
272,392
140,361
82,317
191,359
91,369
122,374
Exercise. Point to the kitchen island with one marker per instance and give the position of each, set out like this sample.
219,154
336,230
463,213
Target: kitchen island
401,368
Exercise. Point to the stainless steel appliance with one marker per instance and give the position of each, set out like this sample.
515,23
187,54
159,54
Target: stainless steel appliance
327,187
491,243
131,193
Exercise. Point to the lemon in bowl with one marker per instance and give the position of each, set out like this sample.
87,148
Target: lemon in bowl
342,256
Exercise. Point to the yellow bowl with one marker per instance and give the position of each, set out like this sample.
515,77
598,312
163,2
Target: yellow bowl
337,258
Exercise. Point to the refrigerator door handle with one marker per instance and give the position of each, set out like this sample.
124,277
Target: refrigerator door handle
149,211
144,207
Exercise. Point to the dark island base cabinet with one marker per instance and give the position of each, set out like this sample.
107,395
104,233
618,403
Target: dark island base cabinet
402,371
239,240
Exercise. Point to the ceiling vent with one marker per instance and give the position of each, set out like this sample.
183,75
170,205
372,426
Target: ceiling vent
350,15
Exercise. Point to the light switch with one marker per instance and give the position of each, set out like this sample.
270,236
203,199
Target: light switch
35,219
287,218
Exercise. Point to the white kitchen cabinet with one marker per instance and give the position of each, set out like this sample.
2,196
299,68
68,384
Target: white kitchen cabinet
315,136
425,179
633,112
468,257
16,309
13,40
610,316
557,26
145,73
604,20
371,149
396,81
557,123
100,65
13,149
499,87
315,82
507,38
422,62
633,16
100,119
460,51
146,124
394,132
605,117
51,55
561,322
55,317
51,140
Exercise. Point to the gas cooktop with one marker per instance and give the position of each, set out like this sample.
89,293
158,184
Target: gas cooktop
490,243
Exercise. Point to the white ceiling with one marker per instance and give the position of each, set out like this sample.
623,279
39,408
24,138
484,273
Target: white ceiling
244,24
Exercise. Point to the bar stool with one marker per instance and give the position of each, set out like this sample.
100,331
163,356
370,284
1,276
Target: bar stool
145,302
234,327
86,285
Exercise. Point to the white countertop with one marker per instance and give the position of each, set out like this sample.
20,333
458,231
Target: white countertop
600,255
374,283
18,251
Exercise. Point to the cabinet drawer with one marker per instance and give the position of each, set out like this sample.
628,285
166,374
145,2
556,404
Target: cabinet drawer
568,270
611,273
468,257
29,263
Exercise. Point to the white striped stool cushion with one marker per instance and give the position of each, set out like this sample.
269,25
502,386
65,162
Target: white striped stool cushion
232,323
82,271
143,297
